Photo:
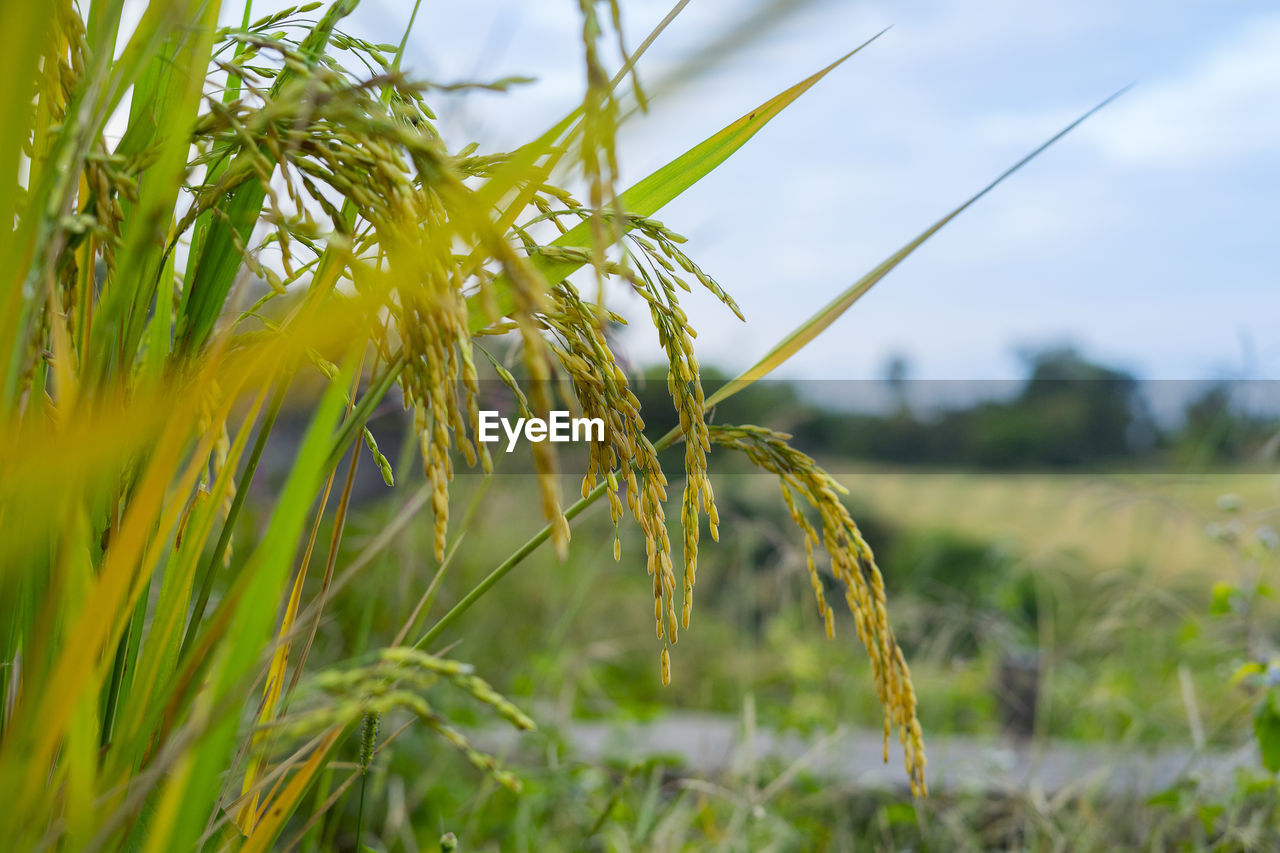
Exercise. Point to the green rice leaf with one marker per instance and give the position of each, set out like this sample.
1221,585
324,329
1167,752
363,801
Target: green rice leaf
651,194
219,261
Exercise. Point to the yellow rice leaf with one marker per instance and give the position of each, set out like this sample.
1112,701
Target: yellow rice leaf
279,808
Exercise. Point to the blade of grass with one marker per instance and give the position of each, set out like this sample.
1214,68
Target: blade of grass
280,660
251,605
228,525
652,193
165,632
219,259
135,550
282,806
171,89
832,311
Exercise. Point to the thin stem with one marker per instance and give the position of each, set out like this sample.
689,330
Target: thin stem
424,603
233,80
501,571
360,415
395,65
339,521
364,783
519,555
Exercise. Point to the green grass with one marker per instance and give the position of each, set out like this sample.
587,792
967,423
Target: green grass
1117,629
1115,639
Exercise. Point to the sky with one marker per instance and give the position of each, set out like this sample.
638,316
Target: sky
1147,237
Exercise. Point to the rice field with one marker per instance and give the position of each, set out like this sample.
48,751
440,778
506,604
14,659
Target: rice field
1109,520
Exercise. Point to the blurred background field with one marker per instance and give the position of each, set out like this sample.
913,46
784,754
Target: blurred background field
1076,634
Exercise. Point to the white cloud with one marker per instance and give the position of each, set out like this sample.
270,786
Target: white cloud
1227,107
1224,108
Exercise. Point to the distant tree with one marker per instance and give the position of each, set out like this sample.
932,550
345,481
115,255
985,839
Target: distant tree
1083,411
1070,411
897,370
1217,429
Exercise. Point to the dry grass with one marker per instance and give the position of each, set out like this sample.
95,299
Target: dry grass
1110,521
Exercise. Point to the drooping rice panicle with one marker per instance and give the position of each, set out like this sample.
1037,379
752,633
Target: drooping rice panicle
853,565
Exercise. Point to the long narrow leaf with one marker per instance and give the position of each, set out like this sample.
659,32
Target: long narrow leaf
829,313
219,260
652,193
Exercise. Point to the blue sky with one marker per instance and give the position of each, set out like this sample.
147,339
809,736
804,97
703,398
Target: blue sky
1148,237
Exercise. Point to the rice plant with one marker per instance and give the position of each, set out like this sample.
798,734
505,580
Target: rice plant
275,218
